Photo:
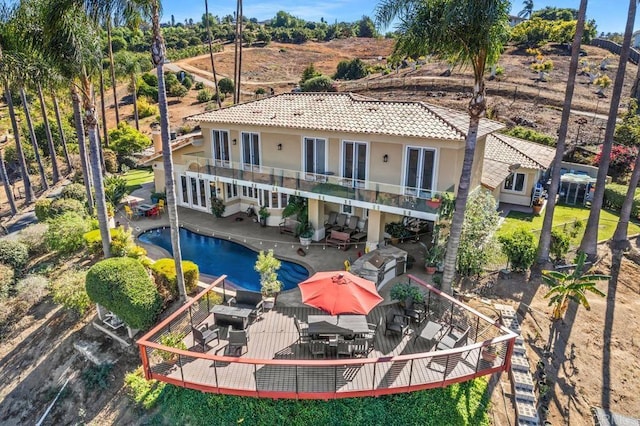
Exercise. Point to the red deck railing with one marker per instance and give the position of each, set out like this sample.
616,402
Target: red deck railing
327,378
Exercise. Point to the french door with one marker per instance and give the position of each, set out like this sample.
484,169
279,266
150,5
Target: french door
354,163
194,192
250,150
419,172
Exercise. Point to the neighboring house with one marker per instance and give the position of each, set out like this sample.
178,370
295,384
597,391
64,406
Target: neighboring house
377,160
515,20
513,167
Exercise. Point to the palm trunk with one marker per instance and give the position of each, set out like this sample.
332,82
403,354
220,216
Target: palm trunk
135,101
91,119
157,56
213,65
29,196
544,242
635,88
63,138
238,83
82,144
461,202
7,186
112,69
100,152
104,112
34,141
620,240
235,53
47,129
589,243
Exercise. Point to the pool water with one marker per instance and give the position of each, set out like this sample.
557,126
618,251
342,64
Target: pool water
215,256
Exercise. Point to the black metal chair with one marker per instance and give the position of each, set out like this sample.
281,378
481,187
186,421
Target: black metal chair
397,323
303,330
237,340
417,311
205,335
317,347
344,348
361,347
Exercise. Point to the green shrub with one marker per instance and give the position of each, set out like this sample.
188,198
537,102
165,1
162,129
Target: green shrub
14,254
43,208
110,160
75,191
351,70
164,273
33,237
173,339
559,244
318,84
61,206
520,248
199,85
115,188
65,233
204,95
6,280
145,108
121,242
97,376
69,291
225,85
150,79
187,82
403,291
614,195
143,392
122,285
530,135
32,289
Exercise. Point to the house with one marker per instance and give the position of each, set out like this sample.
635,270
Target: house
381,161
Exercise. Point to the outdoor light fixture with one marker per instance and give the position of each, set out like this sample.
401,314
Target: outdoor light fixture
385,158
235,141
279,147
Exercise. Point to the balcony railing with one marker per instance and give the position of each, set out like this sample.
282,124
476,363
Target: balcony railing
328,184
272,367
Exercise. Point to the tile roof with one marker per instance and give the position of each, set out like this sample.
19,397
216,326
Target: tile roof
502,151
346,112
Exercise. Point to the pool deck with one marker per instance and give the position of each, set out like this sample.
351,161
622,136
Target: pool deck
319,257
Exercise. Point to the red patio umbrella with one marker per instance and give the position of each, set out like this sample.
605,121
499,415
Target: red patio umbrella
339,292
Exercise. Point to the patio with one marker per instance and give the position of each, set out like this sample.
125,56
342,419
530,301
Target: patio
275,365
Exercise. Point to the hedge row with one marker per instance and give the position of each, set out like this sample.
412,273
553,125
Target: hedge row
164,272
122,285
614,195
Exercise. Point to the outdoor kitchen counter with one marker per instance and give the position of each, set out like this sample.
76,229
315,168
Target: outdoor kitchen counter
380,265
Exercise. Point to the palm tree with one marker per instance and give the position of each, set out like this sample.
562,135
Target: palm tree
469,32
566,287
544,242
527,9
32,136
213,65
7,186
158,57
589,243
111,64
103,109
55,174
131,65
63,138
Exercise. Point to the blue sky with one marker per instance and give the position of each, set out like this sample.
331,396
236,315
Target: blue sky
610,15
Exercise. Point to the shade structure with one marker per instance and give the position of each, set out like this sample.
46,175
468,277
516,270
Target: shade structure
339,292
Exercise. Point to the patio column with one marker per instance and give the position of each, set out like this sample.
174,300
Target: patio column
375,232
316,217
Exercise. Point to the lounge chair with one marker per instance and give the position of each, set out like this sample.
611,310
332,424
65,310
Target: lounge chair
341,222
204,335
237,340
361,232
453,339
397,323
330,223
352,225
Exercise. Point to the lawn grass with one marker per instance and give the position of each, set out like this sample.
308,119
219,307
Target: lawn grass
136,177
460,404
566,215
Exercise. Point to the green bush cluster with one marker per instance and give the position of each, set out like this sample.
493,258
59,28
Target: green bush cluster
115,188
145,108
560,242
75,191
65,232
69,291
351,70
42,208
15,254
122,243
122,285
164,273
520,248
6,280
204,95
530,135
33,237
614,195
199,85
319,84
32,289
61,206
143,392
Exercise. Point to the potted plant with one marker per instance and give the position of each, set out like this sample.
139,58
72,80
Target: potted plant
173,339
403,291
263,214
298,206
157,196
217,206
305,232
395,230
432,257
267,266
489,354
537,206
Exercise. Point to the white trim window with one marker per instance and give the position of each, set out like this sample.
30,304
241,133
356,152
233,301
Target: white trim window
232,191
420,170
354,163
220,148
250,150
515,182
346,209
314,155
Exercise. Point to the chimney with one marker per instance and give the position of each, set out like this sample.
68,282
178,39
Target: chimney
157,141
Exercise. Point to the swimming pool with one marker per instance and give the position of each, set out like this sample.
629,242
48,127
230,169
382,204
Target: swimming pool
215,256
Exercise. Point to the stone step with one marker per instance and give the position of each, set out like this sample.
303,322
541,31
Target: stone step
526,411
525,394
506,311
522,380
512,324
520,362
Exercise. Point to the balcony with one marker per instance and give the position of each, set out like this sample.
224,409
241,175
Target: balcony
329,187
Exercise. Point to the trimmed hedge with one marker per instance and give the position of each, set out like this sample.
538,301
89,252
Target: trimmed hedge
61,206
614,195
43,206
122,285
520,248
164,273
121,242
75,191
65,233
14,254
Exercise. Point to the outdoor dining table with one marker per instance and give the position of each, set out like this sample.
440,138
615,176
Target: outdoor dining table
429,332
231,316
341,325
144,208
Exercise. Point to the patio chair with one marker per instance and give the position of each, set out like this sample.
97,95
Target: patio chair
331,221
397,323
303,330
417,311
317,347
154,212
361,233
128,212
361,347
344,348
237,340
161,206
352,226
341,222
205,335
453,339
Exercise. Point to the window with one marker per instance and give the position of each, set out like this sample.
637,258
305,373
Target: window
420,170
515,182
346,209
354,162
232,191
250,149
221,148
315,155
